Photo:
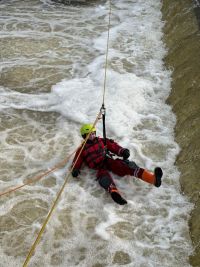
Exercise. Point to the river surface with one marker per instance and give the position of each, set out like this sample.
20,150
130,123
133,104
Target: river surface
52,76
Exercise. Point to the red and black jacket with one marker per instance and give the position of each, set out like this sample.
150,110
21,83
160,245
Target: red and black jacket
94,153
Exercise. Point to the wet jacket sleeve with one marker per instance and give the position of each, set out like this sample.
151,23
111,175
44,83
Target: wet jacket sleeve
114,147
79,162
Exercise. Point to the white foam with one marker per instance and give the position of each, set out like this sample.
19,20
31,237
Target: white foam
87,228
112,218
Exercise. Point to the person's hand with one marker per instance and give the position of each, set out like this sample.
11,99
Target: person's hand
125,153
75,172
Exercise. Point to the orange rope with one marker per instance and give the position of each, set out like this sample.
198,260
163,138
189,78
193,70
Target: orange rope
59,165
37,178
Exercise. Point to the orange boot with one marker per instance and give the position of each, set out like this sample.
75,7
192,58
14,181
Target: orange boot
148,177
153,178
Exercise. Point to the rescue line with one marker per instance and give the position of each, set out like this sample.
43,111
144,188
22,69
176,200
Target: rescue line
100,114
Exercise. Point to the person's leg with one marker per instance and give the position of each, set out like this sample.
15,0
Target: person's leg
126,167
105,180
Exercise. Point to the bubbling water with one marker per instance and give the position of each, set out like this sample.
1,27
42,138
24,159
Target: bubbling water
52,73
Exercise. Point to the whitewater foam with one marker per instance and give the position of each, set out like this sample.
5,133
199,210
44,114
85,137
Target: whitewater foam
88,228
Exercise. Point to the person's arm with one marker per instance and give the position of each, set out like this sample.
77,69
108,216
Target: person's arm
77,163
117,149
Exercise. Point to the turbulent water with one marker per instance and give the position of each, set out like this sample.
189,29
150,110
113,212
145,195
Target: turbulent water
52,76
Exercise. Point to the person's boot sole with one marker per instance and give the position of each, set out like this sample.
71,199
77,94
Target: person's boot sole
118,199
158,174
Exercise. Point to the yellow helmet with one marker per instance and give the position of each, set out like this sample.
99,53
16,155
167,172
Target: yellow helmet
87,128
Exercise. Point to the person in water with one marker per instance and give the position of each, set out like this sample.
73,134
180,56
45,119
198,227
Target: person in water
97,156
